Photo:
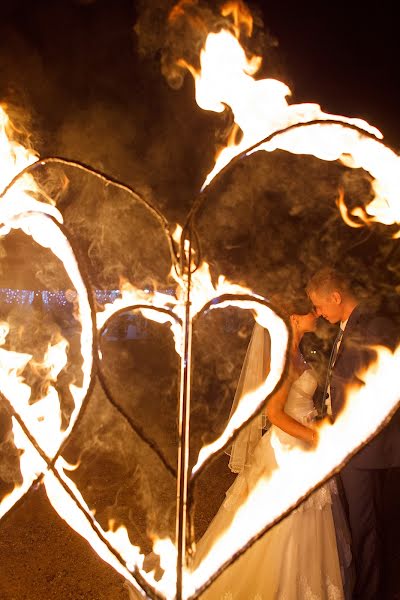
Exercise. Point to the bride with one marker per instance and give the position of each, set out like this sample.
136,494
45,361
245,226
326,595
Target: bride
303,557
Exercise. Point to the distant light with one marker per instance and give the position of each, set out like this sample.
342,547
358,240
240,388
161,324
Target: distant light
61,297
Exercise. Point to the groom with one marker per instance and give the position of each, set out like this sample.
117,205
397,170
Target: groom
363,476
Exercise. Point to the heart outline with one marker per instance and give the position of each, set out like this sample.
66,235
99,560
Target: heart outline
363,133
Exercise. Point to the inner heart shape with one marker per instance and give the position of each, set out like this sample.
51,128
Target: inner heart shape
41,425
299,472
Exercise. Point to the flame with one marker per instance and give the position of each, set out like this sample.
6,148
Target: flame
43,419
132,295
354,150
180,9
202,290
20,210
301,470
345,213
242,18
70,510
14,158
260,108
252,401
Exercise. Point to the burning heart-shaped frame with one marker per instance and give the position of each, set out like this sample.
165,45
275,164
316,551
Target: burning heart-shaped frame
46,462
41,458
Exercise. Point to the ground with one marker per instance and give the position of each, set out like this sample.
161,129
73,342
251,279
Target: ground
43,559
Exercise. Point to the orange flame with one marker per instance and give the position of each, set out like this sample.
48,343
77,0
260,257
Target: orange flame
260,109
242,18
43,419
180,9
301,470
249,404
345,213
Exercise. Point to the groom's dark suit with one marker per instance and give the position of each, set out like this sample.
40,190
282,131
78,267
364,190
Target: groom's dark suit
362,476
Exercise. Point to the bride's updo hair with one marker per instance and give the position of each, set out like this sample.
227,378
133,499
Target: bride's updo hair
292,304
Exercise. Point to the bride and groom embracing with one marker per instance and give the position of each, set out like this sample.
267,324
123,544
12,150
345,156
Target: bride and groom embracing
330,547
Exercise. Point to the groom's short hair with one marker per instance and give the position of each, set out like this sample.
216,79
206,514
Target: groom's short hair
328,280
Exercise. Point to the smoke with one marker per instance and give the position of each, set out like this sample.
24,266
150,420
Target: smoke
119,476
220,339
275,221
91,95
177,31
106,87
10,474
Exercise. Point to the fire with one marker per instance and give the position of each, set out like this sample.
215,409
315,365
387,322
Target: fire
226,78
242,18
253,401
261,110
20,210
180,9
73,509
345,213
301,470
148,301
354,150
14,158
43,419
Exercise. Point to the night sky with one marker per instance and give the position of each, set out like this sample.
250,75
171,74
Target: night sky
343,55
89,87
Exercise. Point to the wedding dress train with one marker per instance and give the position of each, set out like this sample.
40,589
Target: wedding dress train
297,559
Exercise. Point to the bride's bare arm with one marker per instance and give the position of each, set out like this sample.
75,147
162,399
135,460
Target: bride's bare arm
276,414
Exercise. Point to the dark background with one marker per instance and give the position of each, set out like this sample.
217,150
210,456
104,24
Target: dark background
88,75
87,80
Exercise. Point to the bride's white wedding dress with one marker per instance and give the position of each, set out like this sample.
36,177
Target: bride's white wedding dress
298,558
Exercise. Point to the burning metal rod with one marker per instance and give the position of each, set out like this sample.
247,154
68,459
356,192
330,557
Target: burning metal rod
187,265
236,300
184,425
270,138
108,180
138,430
51,466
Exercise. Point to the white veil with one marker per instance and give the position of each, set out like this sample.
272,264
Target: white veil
255,369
